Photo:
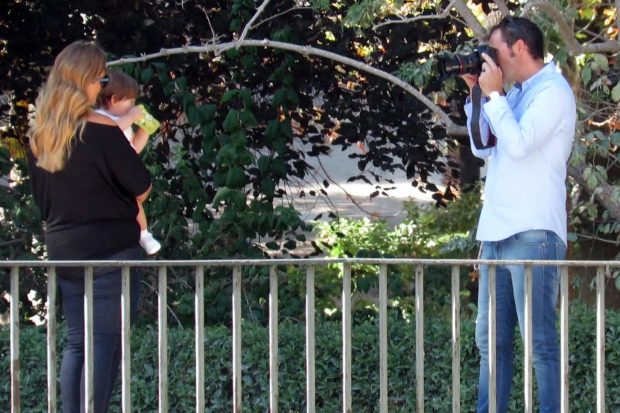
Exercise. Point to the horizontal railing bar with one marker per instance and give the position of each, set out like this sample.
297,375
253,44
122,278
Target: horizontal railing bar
418,265
304,262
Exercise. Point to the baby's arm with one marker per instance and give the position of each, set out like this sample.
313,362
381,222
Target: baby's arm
133,115
139,140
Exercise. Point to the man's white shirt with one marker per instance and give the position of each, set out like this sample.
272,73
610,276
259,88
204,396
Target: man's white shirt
525,184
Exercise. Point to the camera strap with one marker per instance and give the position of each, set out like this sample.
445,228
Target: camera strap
474,124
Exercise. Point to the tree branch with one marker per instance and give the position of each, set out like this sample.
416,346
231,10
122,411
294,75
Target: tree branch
248,26
603,193
445,13
567,33
472,21
451,127
503,8
275,16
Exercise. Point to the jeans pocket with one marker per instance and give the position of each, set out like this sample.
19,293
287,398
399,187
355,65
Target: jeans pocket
532,237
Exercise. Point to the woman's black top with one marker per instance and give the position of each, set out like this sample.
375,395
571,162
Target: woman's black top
89,207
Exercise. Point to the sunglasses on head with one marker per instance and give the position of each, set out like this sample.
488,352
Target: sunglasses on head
104,81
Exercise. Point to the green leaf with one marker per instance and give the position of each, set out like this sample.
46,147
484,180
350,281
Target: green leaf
263,164
208,130
231,122
601,62
236,178
291,97
271,132
222,195
188,100
268,187
207,112
193,116
279,97
615,93
586,75
278,168
181,82
247,118
146,75
229,95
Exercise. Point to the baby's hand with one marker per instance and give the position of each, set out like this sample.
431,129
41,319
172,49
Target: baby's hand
136,114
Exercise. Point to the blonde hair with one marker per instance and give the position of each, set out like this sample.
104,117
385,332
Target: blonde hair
63,103
121,85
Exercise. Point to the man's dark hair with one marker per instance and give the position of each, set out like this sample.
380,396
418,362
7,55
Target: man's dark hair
515,28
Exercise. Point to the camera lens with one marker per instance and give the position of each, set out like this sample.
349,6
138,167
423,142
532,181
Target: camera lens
461,64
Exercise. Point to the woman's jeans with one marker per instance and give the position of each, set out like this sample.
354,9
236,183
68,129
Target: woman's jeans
106,328
528,245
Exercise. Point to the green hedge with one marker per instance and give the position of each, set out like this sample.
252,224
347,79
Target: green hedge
218,391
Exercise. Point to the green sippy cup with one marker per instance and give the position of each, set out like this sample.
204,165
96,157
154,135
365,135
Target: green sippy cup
148,122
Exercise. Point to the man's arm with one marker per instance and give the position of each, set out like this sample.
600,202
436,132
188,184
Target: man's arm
471,81
552,108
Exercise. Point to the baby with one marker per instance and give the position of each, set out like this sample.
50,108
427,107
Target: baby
118,101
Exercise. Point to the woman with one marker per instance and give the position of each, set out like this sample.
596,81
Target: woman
85,178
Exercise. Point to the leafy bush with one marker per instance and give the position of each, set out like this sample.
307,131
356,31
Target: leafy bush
365,384
426,232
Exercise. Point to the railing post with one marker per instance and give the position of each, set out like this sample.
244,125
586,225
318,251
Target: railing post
273,339
89,390
236,337
564,339
346,339
600,340
527,359
162,336
456,340
125,340
51,340
310,341
492,335
14,333
383,341
199,304
419,337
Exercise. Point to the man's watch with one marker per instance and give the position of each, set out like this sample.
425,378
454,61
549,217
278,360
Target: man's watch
494,95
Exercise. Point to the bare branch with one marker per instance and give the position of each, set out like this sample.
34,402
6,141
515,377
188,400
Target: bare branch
248,26
604,193
617,19
275,16
451,127
501,5
445,13
468,16
479,31
567,32
204,10
607,241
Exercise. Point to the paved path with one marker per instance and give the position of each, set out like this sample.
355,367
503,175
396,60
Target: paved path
352,199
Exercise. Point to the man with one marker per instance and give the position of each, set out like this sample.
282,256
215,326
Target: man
524,210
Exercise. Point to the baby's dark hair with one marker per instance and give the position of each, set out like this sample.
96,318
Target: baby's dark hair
120,85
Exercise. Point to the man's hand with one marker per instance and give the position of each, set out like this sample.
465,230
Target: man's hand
491,79
471,80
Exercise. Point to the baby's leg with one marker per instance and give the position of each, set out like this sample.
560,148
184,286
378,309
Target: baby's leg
141,218
150,244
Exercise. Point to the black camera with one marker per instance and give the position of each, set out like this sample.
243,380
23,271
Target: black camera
458,65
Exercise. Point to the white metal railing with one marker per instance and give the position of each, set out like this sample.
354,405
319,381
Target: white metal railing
310,264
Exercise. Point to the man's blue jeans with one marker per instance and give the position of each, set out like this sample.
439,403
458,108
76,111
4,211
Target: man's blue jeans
106,333
528,245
